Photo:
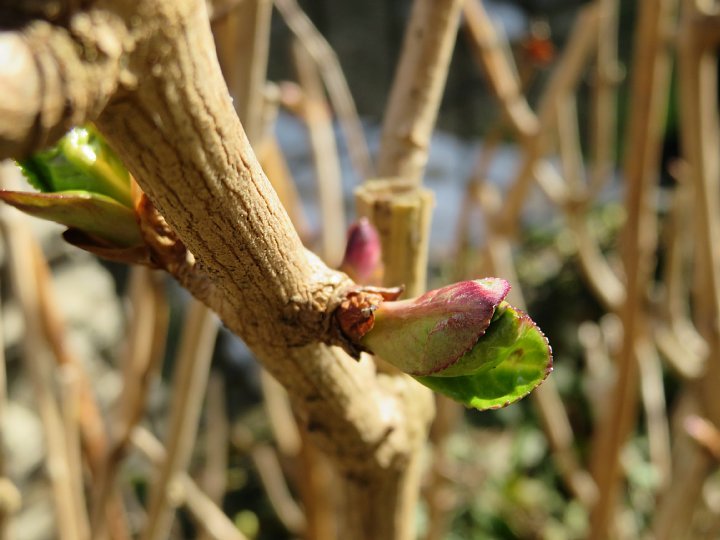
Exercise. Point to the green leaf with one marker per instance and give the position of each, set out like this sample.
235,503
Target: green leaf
425,335
37,173
96,215
80,161
511,359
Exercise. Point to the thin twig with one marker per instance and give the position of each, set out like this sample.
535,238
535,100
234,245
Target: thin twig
279,413
318,121
604,97
273,162
653,397
213,477
691,465
242,43
268,467
419,81
338,91
489,46
603,281
676,337
563,80
37,358
143,352
440,495
189,383
214,522
598,379
650,87
70,410
318,484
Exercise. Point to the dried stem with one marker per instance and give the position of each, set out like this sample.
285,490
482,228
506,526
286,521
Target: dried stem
603,281
185,491
242,42
691,466
563,80
654,404
58,466
144,349
440,495
417,88
273,163
70,410
604,97
271,475
277,409
650,86
547,399
339,92
675,335
213,478
489,46
316,114
318,484
700,137
189,383
92,429
501,74
597,365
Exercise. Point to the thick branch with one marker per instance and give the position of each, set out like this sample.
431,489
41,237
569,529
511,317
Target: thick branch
174,126
179,135
54,78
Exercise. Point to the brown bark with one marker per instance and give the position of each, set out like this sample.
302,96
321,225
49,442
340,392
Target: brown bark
417,88
56,77
173,123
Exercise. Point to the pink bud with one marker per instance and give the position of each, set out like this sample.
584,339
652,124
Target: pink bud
424,335
362,254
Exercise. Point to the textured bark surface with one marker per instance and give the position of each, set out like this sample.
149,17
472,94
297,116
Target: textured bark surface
168,113
417,89
55,77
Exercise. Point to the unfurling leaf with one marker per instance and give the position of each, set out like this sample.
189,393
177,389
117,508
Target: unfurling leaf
463,341
511,359
85,187
424,335
96,215
80,161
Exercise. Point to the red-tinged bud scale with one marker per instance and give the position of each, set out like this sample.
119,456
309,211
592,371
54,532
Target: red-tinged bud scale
462,340
427,334
363,252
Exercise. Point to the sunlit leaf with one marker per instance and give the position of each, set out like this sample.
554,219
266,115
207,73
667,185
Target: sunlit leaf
94,214
506,364
81,160
425,335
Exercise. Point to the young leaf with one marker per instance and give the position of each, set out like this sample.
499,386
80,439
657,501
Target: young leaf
80,161
511,359
92,213
424,335
462,340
